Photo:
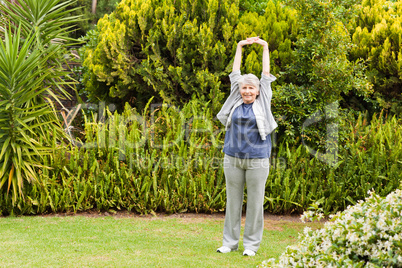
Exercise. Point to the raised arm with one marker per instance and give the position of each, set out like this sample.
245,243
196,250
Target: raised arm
237,58
265,56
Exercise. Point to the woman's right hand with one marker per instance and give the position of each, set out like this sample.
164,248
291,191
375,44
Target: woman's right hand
248,41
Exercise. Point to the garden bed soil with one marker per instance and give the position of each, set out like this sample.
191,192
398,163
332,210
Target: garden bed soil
183,216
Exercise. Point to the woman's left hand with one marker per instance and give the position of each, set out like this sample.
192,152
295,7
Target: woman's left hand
253,39
261,42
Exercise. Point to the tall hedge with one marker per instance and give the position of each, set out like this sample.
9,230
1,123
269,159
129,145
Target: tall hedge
173,49
378,38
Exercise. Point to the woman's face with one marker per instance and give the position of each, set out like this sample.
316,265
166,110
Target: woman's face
248,93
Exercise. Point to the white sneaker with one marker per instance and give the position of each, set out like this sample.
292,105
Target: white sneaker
248,252
223,249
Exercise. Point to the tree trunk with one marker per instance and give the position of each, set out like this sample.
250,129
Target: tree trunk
94,4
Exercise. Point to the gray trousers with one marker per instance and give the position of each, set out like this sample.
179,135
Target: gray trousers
253,173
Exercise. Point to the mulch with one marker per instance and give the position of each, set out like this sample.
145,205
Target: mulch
130,214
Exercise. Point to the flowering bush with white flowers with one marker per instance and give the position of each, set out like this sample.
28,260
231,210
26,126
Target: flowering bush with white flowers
368,234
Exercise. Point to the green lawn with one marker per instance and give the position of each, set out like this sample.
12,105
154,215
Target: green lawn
131,241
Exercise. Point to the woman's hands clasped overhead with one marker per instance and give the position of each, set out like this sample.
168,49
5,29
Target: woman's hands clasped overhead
252,40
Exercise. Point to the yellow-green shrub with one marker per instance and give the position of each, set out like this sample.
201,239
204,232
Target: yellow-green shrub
377,39
174,49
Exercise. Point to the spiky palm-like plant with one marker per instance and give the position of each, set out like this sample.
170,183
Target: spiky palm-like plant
50,23
23,121
34,40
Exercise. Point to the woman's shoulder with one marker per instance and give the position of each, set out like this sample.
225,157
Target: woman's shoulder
235,72
235,76
267,78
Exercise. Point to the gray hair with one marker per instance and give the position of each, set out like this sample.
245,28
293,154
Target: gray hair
249,79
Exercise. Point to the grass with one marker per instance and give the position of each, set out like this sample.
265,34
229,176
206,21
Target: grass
131,241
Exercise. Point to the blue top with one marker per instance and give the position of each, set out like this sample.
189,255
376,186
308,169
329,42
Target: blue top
242,139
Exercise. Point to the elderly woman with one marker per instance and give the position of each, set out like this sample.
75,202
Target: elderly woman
247,117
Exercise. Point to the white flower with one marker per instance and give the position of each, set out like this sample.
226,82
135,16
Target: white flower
352,237
307,230
381,224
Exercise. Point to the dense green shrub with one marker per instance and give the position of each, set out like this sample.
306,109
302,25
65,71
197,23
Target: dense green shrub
170,160
367,158
377,39
174,49
320,72
368,234
257,6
